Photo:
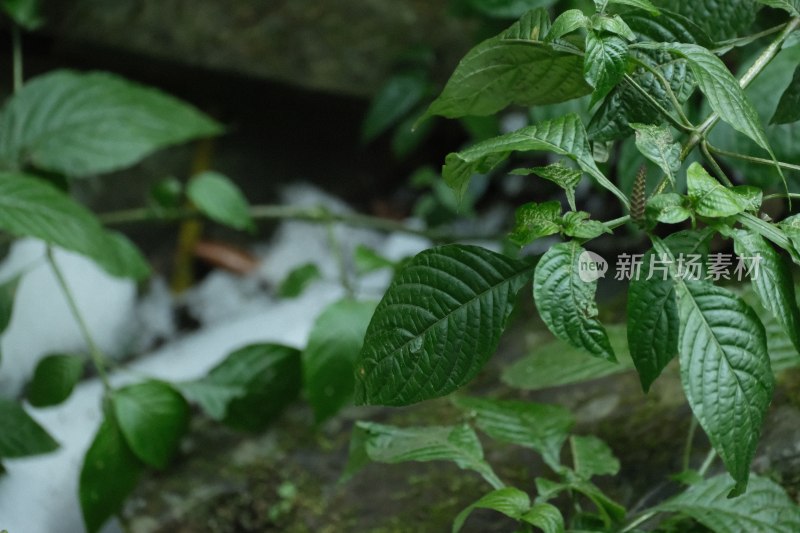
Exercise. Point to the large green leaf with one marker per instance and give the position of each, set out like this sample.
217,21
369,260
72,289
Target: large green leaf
21,435
54,379
567,22
722,91
250,387
725,370
510,501
653,321
604,63
566,302
153,417
764,507
331,353
438,323
563,136
220,199
546,517
772,281
390,444
532,425
556,363
565,177
513,67
720,19
83,124
109,474
31,207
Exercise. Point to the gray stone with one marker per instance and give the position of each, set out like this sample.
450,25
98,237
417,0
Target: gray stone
343,46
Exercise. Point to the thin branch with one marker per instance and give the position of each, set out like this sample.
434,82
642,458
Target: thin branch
725,46
16,45
714,165
753,159
97,356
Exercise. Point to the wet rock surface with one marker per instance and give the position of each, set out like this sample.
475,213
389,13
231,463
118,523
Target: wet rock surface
288,478
346,46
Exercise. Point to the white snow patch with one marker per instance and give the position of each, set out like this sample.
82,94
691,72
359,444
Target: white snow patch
40,494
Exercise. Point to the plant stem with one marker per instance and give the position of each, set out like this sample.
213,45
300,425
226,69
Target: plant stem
284,212
752,159
709,460
687,124
94,351
16,45
714,165
336,247
638,521
687,450
724,46
782,195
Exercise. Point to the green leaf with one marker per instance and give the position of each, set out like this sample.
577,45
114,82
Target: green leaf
8,291
565,177
653,319
720,19
394,100
765,93
153,417
31,207
656,144
25,13
546,517
21,435
592,457
723,92
610,511
725,370
615,25
54,379
220,199
109,474
298,280
567,22
507,8
709,197
669,208
764,507
604,63
563,136
788,109
459,444
330,355
530,27
792,6
772,281
520,70
625,104
510,501
533,221
556,363
541,427
645,5
578,225
750,196
566,302
437,325
83,124
250,387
